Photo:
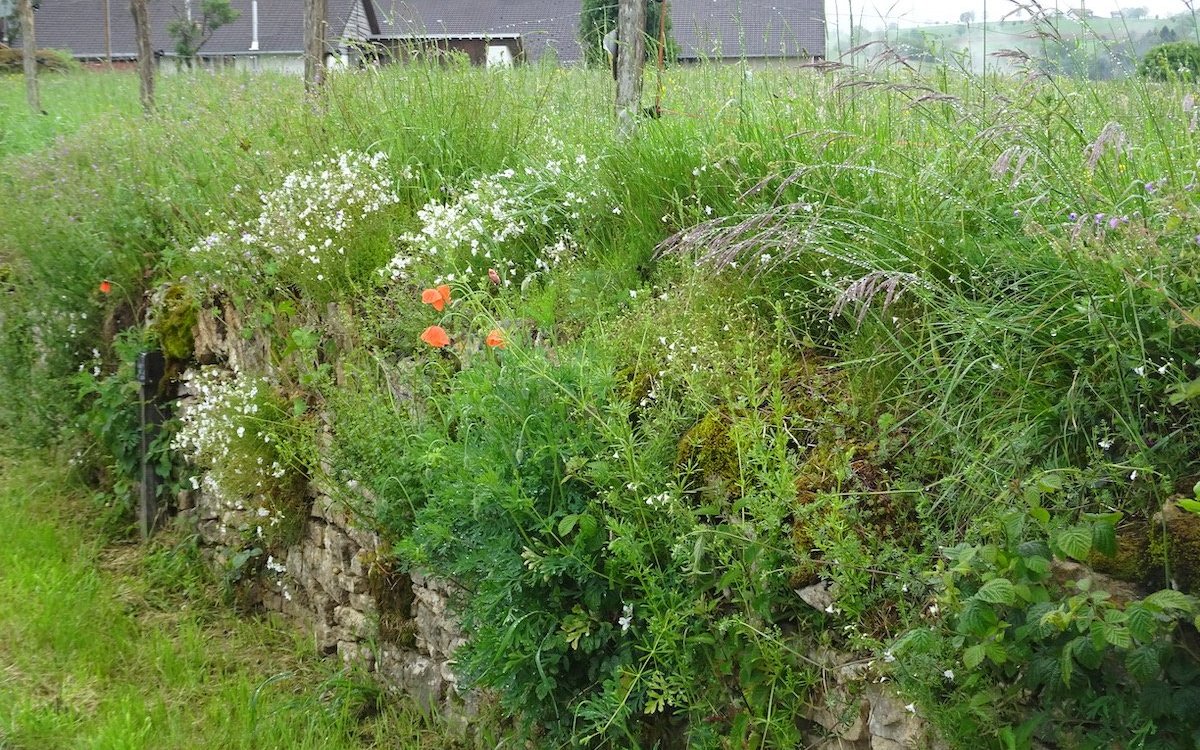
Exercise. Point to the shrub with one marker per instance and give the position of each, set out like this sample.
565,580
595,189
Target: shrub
49,60
1171,61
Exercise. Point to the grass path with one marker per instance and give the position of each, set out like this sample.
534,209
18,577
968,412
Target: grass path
122,646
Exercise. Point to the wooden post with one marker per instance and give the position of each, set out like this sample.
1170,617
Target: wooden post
631,46
29,39
107,35
314,44
141,25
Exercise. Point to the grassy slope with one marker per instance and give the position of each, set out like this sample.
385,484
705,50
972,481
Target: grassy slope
117,646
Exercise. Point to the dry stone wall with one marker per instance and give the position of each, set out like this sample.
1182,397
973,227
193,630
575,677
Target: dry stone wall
335,582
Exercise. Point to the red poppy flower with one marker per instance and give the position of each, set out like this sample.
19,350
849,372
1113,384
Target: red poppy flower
105,286
435,336
495,338
436,297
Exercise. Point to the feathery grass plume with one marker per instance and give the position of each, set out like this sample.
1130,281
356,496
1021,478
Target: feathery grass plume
863,290
1111,139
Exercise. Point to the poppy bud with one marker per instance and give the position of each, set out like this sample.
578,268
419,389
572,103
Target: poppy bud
493,277
105,286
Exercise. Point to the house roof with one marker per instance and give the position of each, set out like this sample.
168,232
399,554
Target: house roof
703,28
545,26
748,28
78,26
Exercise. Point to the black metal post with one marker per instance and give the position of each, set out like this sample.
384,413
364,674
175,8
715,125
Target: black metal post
151,367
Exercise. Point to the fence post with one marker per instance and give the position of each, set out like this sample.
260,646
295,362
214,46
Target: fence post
151,366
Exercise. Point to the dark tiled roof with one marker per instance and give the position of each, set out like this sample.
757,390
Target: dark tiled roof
545,26
703,28
78,25
750,28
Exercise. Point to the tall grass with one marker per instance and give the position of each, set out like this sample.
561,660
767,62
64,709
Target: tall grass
111,645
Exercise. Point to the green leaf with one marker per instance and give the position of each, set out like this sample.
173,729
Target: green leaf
996,653
1066,662
1104,538
1185,392
1038,565
977,617
1050,483
1075,542
1142,663
1141,622
1170,601
1192,506
973,656
997,591
1116,635
567,524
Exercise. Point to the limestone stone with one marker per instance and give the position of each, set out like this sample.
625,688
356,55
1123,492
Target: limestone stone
817,596
354,623
891,724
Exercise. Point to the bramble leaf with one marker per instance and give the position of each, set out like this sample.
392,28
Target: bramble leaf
1075,542
997,591
1142,663
973,656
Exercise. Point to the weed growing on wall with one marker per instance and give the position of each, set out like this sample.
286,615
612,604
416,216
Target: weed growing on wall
304,227
250,450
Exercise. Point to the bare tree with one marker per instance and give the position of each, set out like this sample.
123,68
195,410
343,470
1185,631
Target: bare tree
29,57
631,43
141,25
315,21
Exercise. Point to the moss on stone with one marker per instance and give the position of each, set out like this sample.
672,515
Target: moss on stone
175,325
1133,561
1182,546
708,458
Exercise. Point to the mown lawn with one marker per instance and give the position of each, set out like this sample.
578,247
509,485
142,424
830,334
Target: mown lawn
116,645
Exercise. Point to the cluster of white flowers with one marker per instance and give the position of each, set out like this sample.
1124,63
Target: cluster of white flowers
478,227
305,217
220,429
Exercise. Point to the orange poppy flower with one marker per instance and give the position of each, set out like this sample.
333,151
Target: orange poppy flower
495,338
105,286
435,336
436,297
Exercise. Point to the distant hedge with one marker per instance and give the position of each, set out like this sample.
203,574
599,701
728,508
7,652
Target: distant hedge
1171,60
12,60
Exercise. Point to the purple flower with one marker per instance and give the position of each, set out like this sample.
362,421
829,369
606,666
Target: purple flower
1072,216
1151,187
1099,218
1114,222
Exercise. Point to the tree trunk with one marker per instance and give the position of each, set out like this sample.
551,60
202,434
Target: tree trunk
314,44
631,46
29,38
141,25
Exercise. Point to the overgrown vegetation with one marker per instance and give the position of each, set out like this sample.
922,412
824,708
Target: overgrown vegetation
925,344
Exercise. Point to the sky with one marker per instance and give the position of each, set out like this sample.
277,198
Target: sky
878,13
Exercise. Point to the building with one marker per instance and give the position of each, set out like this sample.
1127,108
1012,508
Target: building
267,35
715,30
